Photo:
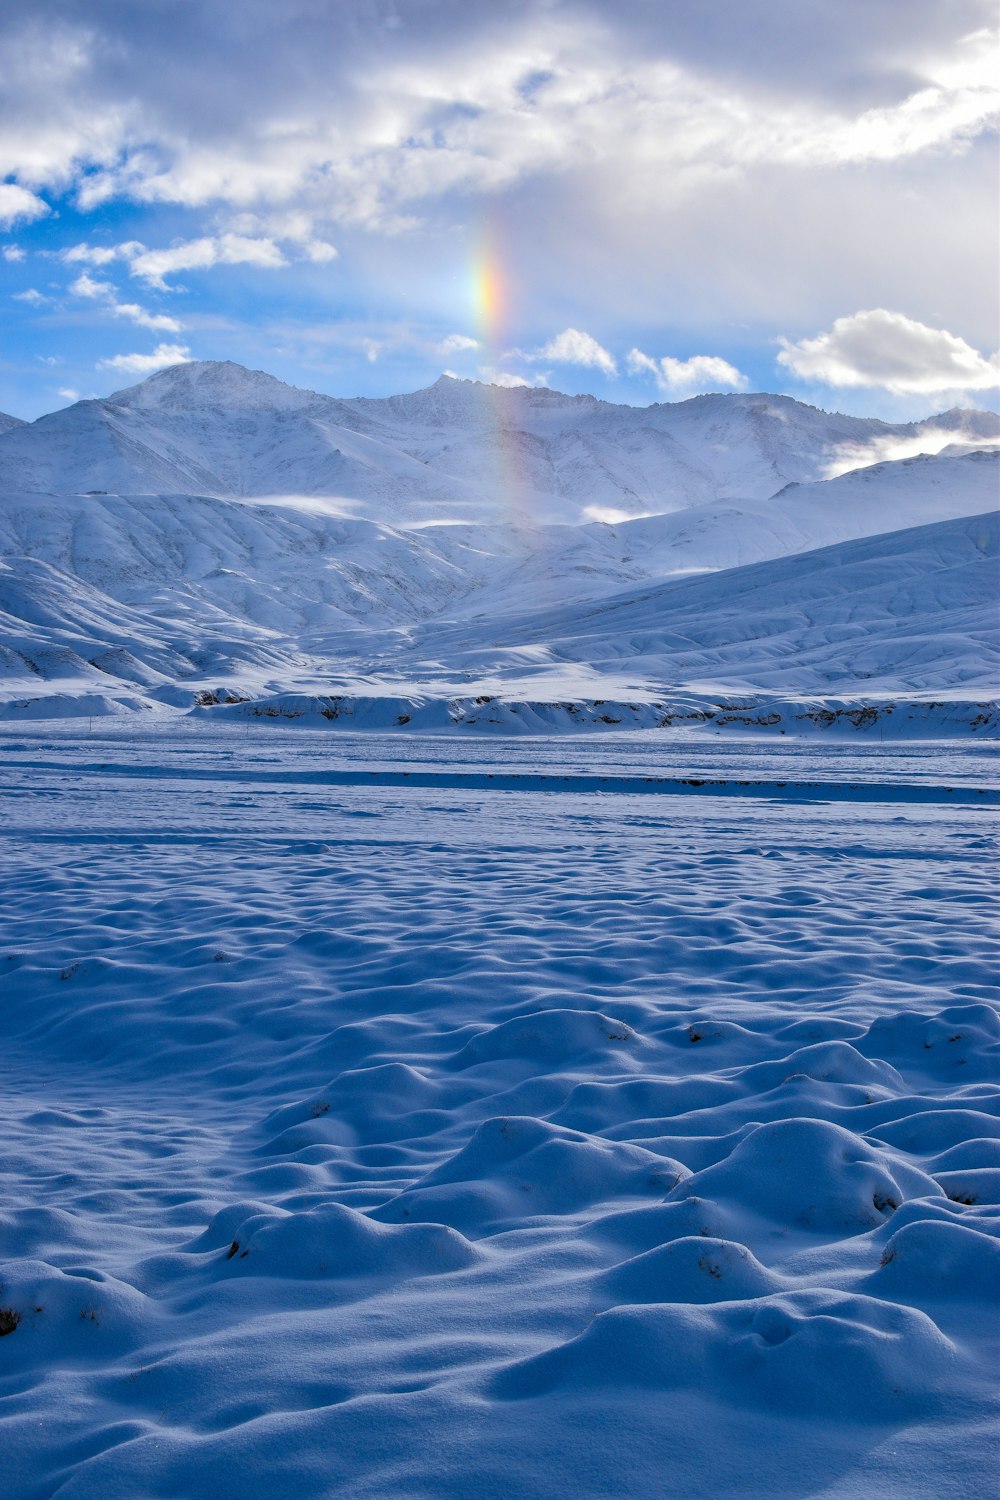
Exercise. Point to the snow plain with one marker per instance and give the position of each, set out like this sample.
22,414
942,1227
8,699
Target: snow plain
533,1120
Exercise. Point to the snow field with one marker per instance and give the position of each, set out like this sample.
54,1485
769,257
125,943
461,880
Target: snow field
442,1139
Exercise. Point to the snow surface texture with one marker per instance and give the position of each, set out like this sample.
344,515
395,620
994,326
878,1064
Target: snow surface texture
215,540
449,1135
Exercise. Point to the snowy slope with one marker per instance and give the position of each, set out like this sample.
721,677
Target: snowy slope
7,422
801,517
909,612
269,566
458,451
292,567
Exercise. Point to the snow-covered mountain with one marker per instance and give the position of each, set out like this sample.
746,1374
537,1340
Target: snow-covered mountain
457,451
7,422
151,596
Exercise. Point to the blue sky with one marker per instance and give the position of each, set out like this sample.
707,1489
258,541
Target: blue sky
645,199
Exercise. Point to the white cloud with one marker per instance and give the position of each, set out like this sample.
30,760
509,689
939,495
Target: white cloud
211,250
295,227
882,449
90,255
32,296
957,102
319,251
88,286
886,349
505,378
573,347
100,255
158,322
145,364
641,364
702,372
68,393
457,343
610,515
458,100
13,253
19,206
414,134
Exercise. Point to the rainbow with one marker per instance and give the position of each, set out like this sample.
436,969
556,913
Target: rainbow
491,306
488,300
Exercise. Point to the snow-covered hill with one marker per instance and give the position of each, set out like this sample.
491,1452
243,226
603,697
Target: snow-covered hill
910,612
292,569
863,502
905,615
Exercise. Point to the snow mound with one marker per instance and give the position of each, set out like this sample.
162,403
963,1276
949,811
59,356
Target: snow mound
334,1241
693,1268
549,1036
811,1353
514,1169
813,1174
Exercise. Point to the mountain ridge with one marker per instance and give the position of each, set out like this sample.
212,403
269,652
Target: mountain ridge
469,544
458,450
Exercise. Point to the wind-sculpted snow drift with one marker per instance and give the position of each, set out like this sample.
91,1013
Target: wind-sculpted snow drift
440,1136
213,537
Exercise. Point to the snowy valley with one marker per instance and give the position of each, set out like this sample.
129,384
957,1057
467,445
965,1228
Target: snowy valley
499,969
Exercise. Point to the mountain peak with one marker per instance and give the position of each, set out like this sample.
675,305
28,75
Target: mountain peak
212,382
